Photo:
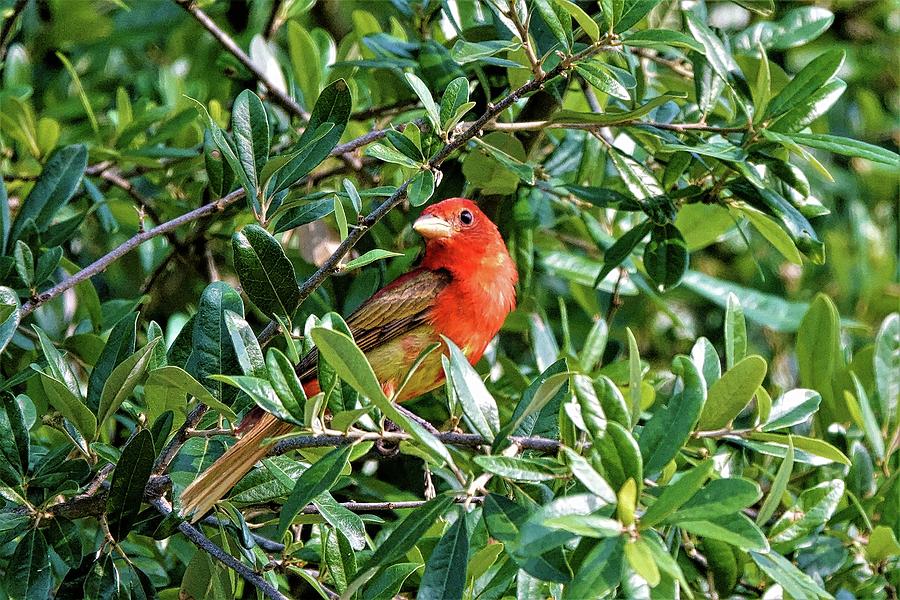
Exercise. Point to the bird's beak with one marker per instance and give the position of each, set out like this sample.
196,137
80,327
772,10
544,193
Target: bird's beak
432,228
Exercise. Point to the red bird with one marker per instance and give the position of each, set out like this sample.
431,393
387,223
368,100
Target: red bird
463,290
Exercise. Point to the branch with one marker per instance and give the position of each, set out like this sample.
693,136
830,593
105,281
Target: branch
285,101
205,544
541,125
470,440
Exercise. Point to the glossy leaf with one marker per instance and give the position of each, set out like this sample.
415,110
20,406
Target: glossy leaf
266,274
732,392
126,491
318,478
445,572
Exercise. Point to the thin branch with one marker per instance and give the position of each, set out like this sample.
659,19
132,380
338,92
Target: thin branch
118,252
677,67
180,437
363,507
470,440
205,544
229,44
17,9
541,125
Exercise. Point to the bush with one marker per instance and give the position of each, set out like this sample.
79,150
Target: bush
696,396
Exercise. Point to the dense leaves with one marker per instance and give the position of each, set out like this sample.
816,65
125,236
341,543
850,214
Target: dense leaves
696,396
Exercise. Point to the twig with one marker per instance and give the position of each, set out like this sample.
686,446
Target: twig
180,437
312,509
17,8
229,44
470,440
205,544
118,252
676,66
540,125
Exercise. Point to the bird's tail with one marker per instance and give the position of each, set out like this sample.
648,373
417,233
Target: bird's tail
229,468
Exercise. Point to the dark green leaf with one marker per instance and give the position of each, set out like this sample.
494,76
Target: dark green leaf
794,581
9,315
212,351
126,491
666,257
306,213
122,381
409,531
676,494
72,408
28,573
839,145
735,529
119,345
616,254
250,128
732,392
389,580
810,79
57,183
316,479
445,572
661,38
479,407
266,274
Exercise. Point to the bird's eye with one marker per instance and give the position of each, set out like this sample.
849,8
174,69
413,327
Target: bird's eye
466,218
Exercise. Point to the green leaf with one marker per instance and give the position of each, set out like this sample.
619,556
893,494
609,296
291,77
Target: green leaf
613,117
792,408
284,381
634,377
389,580
675,494
119,345
405,145
211,350
205,579
716,54
58,367
732,392
707,360
662,38
561,30
306,213
455,96
9,314
24,263
582,18
803,113
318,478
632,12
65,538
795,28
600,571
839,145
421,188
71,407
266,274
421,90
818,350
671,425
809,80
523,171
409,532
765,309
122,381
814,446
882,544
479,407
14,441
445,571
794,581
597,76
520,468
734,529
638,554
718,498
389,155
54,187
28,573
250,128
778,487
586,525
126,491
770,230
305,58
369,257
810,513
465,52
333,106
666,257
536,412
351,366
886,365
168,386
588,476
616,254
262,393
735,332
348,523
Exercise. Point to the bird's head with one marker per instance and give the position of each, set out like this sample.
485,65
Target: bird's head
454,222
459,236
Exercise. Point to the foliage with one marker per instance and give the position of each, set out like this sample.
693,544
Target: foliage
697,395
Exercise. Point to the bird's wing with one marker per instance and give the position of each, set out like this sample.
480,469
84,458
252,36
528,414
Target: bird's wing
397,308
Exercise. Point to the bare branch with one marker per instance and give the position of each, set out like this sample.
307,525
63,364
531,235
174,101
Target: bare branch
229,44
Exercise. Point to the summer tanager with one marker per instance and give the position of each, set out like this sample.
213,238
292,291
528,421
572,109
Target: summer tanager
463,289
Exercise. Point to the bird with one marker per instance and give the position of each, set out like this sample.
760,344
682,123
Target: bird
463,289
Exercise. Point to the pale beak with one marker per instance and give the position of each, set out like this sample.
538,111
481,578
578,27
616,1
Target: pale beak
432,228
